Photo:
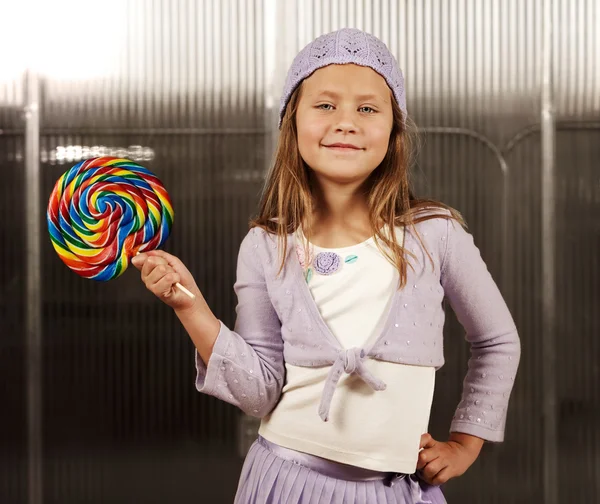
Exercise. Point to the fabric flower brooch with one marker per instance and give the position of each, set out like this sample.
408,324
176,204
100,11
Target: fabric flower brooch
327,263
324,263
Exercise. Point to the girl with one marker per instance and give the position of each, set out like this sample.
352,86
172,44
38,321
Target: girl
340,284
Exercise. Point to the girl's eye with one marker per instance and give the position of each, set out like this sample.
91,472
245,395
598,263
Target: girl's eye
328,106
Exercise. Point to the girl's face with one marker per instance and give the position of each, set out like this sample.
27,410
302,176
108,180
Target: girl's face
344,120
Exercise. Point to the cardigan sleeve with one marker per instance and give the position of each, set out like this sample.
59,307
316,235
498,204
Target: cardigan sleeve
491,332
246,367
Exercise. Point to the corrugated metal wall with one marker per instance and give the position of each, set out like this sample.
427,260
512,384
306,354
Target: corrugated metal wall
507,94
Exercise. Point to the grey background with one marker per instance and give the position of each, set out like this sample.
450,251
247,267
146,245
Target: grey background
97,380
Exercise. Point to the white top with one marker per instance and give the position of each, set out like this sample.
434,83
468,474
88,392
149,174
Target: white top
375,430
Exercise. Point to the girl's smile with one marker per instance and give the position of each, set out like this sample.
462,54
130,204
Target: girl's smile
343,148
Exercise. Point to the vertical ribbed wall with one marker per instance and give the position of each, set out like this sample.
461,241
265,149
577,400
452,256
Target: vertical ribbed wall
190,89
13,452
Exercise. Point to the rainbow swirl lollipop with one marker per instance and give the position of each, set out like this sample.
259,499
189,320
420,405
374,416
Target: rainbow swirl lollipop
103,211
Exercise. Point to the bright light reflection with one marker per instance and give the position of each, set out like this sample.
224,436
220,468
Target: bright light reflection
62,39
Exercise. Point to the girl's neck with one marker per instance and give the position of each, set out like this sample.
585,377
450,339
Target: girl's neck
341,219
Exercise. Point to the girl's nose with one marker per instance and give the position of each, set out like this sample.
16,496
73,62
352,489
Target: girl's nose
346,128
345,123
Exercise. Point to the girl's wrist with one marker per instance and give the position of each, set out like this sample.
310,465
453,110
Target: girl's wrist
197,312
471,443
195,309
202,326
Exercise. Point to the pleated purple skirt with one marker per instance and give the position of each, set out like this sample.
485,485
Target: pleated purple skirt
275,475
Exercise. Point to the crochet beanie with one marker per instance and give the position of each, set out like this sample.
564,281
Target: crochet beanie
348,45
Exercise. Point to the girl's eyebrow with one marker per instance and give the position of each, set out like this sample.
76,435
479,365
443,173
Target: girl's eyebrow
362,97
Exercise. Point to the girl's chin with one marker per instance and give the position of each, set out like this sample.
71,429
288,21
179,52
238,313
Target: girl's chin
342,175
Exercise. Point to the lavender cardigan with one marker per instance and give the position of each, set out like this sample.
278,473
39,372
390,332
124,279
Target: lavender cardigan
278,321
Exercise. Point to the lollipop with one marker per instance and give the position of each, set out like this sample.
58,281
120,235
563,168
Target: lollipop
104,211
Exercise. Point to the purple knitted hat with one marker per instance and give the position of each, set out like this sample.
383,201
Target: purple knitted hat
347,45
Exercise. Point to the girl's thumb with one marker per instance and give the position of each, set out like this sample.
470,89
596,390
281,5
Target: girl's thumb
138,261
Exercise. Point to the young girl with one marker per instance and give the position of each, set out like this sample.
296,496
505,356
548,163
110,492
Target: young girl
340,284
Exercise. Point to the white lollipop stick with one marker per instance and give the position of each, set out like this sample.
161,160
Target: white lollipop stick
184,290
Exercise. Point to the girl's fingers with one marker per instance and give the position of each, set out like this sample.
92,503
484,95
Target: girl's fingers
428,452
150,263
443,476
161,257
426,456
170,259
160,272
157,273
164,287
427,441
138,261
432,469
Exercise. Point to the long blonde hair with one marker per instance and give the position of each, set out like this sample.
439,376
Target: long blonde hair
287,199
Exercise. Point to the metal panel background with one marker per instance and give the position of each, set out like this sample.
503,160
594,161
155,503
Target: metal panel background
13,434
190,89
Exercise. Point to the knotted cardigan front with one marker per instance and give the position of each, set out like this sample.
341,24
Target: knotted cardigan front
278,321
